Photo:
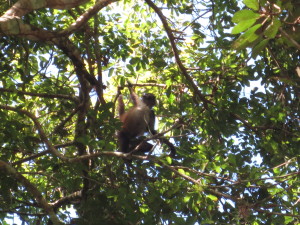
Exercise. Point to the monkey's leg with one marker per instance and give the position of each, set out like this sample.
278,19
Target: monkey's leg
123,142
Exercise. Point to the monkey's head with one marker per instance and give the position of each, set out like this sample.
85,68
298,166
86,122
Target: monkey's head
149,99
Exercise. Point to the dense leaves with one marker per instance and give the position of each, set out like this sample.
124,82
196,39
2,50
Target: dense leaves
226,75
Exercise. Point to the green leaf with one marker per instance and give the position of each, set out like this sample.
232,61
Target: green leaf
169,160
252,4
288,219
272,30
130,68
242,26
276,171
244,15
181,171
248,37
111,71
212,197
186,198
258,48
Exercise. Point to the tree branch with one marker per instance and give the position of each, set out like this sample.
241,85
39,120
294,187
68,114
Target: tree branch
67,199
297,45
34,156
16,27
176,54
11,24
32,190
61,125
82,20
40,130
73,53
43,95
277,213
23,7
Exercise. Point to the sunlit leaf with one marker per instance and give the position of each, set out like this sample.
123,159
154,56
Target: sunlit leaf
242,26
245,39
252,4
212,197
244,15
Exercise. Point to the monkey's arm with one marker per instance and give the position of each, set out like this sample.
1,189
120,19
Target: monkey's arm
135,98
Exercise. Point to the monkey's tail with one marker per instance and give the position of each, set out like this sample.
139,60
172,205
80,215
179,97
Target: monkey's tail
170,145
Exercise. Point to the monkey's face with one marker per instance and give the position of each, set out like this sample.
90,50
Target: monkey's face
149,99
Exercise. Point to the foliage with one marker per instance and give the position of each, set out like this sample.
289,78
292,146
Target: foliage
226,76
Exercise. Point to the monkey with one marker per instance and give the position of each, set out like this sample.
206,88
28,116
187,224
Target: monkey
136,121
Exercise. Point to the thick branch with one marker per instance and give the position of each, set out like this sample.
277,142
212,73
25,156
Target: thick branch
16,27
31,189
12,24
86,16
23,7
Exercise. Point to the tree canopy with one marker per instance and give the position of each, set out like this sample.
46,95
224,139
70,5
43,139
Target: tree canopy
226,75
